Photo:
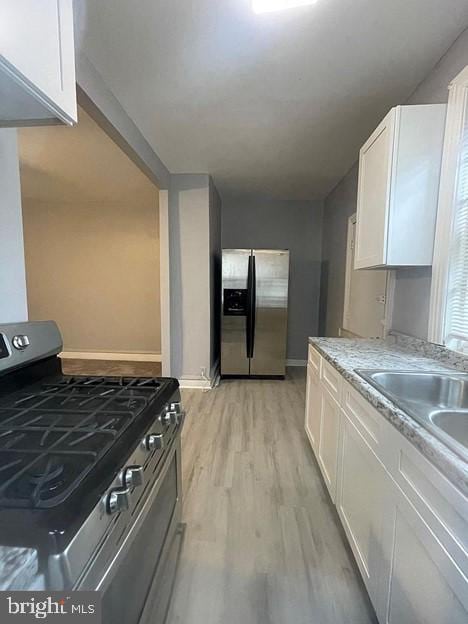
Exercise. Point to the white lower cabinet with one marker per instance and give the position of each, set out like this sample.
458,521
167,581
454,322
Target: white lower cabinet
328,442
420,581
361,492
406,524
313,406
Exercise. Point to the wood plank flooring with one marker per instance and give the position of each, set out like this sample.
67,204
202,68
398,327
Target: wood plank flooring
263,544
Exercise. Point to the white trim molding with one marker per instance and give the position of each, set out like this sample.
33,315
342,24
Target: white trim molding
298,363
195,383
108,356
458,97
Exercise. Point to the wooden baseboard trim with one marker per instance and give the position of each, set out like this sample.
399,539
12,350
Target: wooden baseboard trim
113,357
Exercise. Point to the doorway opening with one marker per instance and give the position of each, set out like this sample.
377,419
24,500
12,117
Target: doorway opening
91,232
368,296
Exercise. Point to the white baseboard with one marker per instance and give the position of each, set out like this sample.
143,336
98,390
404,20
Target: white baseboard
296,362
195,383
117,357
202,383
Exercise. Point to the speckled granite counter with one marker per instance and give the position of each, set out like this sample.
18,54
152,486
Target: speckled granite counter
19,569
399,353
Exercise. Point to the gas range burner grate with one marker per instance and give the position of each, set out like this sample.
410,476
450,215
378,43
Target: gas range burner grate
41,480
52,437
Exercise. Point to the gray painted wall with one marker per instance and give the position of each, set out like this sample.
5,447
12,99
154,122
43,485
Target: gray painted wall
13,300
194,231
293,225
412,288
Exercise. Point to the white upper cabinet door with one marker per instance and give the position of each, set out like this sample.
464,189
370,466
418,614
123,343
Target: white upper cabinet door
399,170
37,62
373,195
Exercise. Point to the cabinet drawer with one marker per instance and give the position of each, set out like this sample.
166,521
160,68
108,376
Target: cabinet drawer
331,380
314,360
364,417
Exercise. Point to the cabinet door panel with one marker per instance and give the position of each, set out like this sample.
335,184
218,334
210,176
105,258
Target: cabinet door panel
361,490
424,583
328,442
38,48
313,404
373,192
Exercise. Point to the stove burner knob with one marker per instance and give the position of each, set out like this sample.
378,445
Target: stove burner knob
154,441
169,418
117,500
20,342
133,476
173,407
172,417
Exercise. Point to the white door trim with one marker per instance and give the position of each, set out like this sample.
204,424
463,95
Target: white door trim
351,221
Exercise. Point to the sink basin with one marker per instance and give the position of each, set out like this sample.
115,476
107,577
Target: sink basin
453,423
438,401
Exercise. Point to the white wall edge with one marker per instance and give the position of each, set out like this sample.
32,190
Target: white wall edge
296,362
165,282
117,357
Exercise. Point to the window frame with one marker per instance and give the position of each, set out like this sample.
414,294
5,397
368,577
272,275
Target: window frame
456,111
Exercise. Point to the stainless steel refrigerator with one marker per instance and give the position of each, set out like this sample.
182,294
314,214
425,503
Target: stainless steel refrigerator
254,312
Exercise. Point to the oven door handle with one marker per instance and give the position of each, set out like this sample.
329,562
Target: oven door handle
106,577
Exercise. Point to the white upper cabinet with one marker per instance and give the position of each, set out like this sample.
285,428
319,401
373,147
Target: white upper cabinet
37,63
399,170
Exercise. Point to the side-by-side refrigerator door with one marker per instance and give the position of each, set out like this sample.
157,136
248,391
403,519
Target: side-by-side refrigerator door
235,311
271,269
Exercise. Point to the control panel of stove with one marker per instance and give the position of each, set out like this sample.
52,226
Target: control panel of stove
119,497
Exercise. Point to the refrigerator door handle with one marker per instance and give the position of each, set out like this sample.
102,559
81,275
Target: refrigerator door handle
253,300
248,323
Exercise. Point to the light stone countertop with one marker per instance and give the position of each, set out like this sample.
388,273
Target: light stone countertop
399,353
19,569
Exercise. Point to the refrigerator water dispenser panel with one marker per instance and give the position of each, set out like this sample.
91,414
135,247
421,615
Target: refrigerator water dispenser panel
235,302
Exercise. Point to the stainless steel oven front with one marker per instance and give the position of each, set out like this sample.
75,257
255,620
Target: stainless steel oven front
136,579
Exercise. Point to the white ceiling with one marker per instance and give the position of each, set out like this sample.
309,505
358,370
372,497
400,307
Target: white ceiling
275,104
61,164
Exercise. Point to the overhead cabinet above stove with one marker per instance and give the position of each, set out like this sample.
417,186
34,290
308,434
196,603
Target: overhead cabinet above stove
399,171
37,63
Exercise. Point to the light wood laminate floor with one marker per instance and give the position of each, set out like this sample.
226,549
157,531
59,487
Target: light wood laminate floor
263,545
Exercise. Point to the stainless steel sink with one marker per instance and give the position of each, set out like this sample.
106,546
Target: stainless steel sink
438,401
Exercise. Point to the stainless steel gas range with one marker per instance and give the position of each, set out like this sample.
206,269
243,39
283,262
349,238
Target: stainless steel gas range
90,475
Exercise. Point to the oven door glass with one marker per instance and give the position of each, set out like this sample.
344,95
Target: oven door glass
124,599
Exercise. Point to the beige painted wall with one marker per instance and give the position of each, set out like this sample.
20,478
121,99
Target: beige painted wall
94,267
